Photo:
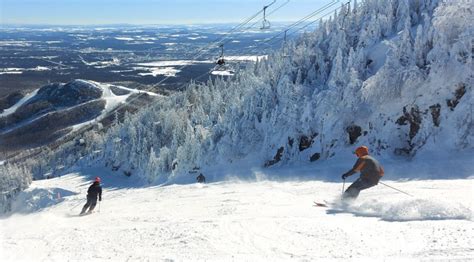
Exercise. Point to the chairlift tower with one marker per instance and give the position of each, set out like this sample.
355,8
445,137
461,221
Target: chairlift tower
285,44
342,27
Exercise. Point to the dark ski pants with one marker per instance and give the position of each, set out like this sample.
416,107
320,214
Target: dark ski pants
91,202
360,184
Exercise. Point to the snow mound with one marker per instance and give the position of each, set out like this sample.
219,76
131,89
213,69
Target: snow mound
408,210
222,73
39,198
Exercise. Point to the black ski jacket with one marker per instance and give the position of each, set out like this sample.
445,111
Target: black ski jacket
201,178
95,190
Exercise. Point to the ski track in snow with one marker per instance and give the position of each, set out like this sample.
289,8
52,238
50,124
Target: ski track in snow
22,101
112,101
249,221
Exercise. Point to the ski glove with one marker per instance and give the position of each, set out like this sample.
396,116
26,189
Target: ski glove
344,176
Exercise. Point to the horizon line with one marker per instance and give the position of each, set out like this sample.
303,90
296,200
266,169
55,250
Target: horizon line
135,24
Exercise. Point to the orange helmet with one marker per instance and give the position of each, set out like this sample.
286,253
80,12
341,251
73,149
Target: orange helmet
362,151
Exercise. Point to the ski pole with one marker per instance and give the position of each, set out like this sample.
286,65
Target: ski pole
396,189
75,206
343,185
99,206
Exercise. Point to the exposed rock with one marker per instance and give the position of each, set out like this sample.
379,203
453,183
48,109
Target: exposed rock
115,167
276,158
460,91
435,113
315,157
354,132
402,151
306,142
290,141
413,118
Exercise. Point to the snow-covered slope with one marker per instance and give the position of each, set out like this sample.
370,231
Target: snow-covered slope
56,109
238,220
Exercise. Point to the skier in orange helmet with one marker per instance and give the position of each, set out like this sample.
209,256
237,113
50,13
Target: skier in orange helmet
370,173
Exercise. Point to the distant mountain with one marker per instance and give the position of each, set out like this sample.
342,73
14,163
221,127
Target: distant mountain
55,110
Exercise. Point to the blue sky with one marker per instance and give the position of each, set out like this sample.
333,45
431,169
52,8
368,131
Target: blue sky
78,12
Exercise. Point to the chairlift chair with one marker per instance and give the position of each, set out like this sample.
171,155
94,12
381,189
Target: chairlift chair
221,61
265,23
221,64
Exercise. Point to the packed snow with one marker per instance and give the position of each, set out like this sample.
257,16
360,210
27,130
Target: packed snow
238,220
164,71
15,71
9,71
15,43
222,73
253,58
171,63
165,68
124,38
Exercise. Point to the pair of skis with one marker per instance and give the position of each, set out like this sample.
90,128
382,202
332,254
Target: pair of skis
86,213
320,204
325,203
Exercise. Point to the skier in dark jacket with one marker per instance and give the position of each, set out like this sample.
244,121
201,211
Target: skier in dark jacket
94,191
201,178
370,173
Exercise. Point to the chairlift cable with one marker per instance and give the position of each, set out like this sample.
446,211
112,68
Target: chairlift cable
315,21
200,52
220,42
285,32
299,22
309,16
260,20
